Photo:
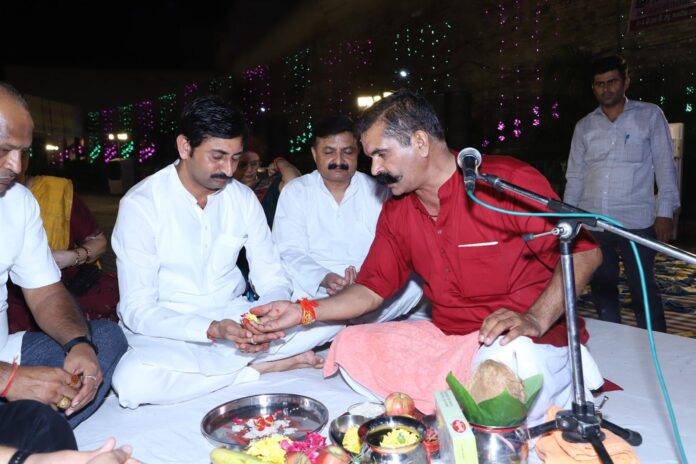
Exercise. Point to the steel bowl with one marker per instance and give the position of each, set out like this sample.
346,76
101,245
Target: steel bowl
371,433
308,413
340,425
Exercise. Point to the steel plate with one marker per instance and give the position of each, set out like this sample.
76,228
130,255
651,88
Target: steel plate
302,414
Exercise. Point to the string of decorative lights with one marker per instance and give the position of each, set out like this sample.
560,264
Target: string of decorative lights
342,64
110,149
422,56
505,74
256,91
296,73
145,127
167,113
93,138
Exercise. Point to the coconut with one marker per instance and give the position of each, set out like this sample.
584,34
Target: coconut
491,378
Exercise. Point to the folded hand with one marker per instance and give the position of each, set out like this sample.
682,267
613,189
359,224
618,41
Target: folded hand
246,339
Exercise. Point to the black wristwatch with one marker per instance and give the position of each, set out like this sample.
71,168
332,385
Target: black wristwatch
19,457
77,340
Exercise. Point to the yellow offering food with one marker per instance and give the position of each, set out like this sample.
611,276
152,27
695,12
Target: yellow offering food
268,449
227,456
249,317
398,437
351,441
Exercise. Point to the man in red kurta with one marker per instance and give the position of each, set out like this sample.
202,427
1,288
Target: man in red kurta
486,284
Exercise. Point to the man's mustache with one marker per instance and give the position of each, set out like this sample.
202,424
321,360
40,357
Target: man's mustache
220,175
385,178
342,166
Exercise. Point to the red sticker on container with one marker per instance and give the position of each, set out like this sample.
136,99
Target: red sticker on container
459,426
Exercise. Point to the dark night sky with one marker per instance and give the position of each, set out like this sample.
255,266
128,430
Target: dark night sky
159,34
128,34
146,37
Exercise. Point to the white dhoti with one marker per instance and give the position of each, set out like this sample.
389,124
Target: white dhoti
527,358
165,371
415,358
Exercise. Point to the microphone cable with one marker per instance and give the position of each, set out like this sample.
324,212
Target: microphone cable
646,306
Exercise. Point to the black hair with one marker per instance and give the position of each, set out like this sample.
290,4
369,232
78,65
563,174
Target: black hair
333,125
610,63
211,116
403,113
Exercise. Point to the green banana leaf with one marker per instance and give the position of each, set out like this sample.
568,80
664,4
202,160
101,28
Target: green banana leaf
532,387
502,411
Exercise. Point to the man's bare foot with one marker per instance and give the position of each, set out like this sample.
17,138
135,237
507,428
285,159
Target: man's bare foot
300,361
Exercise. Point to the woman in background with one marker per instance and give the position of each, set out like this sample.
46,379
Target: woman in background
76,242
268,185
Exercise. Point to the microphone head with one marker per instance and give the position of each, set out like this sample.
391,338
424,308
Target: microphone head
469,153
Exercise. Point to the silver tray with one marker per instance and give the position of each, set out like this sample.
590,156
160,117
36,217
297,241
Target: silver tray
222,428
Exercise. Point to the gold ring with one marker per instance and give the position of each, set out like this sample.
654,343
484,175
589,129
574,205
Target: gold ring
63,403
89,376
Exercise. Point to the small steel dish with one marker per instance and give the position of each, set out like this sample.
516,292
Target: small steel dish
364,409
340,425
310,413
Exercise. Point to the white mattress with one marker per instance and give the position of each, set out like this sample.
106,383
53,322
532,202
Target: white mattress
171,434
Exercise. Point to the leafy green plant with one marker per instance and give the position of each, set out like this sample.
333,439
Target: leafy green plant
503,410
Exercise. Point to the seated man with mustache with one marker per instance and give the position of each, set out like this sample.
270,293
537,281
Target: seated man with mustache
177,238
325,222
493,294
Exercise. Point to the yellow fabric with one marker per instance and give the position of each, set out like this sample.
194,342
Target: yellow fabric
55,198
552,448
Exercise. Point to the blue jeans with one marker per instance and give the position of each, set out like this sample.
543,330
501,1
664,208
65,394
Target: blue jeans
605,281
38,349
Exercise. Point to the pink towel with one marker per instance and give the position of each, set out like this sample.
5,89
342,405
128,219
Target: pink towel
408,357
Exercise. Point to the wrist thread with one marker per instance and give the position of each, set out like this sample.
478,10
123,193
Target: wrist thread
309,315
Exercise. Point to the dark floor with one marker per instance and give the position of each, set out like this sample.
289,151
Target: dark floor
105,207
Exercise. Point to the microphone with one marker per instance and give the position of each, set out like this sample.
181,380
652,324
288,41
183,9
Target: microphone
469,159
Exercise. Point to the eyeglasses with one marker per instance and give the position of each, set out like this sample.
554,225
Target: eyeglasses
609,83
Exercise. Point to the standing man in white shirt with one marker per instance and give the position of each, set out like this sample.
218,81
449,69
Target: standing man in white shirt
325,222
68,366
617,155
176,238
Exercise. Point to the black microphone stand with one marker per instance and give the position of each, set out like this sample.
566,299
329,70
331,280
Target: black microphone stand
583,423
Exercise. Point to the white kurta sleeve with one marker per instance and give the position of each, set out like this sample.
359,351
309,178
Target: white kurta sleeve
34,266
266,272
662,150
291,236
134,242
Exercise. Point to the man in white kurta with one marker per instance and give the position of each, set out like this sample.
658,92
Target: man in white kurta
176,238
325,222
40,367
